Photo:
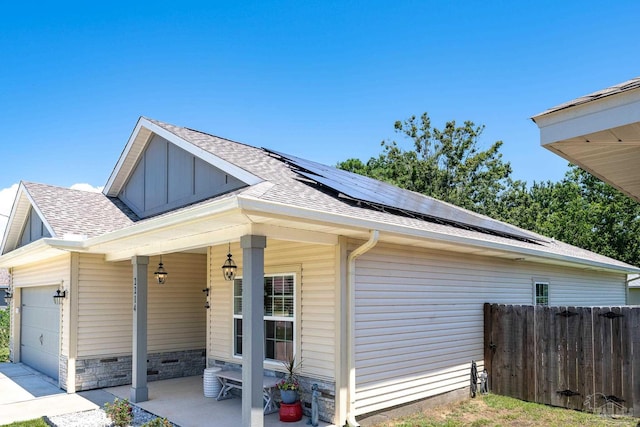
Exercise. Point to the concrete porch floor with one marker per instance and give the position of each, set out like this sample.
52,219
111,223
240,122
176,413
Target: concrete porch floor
182,401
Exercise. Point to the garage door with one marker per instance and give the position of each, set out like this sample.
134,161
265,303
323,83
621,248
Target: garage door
40,331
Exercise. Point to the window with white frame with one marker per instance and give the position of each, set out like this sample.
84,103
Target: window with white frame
541,292
279,316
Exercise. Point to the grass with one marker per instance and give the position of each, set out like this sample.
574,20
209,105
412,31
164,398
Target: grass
492,410
38,422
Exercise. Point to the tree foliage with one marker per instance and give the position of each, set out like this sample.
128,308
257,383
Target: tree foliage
449,164
583,211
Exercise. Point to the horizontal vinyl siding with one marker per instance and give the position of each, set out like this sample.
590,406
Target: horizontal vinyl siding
104,307
49,272
316,309
419,318
176,313
177,316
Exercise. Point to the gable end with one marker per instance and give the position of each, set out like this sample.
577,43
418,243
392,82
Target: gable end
167,177
33,229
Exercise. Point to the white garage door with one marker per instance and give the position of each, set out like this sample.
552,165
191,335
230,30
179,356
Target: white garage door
40,331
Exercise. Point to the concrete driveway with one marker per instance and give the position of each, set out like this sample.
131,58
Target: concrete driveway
26,394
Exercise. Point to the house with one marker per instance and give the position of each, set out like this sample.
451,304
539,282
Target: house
378,291
4,286
600,133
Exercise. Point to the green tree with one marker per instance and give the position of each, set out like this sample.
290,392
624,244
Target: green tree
580,210
447,164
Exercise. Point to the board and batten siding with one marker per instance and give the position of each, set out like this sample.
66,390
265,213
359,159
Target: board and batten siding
419,315
176,313
315,296
54,271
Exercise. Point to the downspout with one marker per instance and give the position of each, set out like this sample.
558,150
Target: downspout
351,295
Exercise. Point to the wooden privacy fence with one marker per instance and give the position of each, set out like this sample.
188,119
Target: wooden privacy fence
584,358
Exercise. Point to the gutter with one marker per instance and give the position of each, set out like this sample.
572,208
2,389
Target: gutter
351,295
250,205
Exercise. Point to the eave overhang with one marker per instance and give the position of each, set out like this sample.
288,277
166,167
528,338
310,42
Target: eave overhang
224,220
601,136
409,236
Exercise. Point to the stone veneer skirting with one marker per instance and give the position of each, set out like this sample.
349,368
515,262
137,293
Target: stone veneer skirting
327,389
114,371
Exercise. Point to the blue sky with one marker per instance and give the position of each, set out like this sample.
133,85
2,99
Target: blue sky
321,80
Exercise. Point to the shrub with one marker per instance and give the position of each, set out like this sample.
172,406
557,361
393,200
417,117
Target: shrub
120,412
4,335
158,422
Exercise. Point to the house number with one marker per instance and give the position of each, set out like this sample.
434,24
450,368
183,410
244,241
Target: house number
135,294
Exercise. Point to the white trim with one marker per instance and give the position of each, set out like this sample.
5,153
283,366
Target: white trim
294,320
534,285
249,205
22,197
225,166
601,114
123,157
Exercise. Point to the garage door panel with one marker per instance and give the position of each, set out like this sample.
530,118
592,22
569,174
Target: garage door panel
43,340
40,330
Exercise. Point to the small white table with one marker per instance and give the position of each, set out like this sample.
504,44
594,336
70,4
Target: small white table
233,379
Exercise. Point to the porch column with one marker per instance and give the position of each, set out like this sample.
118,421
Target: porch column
139,389
252,329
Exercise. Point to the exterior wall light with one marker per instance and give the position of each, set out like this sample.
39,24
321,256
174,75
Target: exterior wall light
59,296
161,274
229,267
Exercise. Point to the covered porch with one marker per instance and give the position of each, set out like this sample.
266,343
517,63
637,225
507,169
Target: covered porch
182,401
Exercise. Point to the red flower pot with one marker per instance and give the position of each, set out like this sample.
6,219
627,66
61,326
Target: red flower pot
290,412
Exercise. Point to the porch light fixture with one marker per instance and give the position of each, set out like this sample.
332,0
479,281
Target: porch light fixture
59,296
8,294
160,273
229,267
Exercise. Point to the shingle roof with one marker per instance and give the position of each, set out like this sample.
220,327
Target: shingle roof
613,90
79,212
291,189
94,214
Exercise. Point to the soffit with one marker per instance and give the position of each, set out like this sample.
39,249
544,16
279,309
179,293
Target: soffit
600,133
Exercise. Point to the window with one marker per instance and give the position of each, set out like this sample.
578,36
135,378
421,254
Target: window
279,316
542,293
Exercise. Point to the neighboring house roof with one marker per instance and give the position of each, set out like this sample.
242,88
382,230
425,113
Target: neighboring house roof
600,133
275,190
613,90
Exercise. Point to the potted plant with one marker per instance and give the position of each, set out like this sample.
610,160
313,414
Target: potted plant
289,385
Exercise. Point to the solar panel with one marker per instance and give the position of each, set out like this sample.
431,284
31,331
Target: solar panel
383,195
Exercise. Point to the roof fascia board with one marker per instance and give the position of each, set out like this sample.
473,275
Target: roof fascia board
38,251
594,116
39,212
230,168
183,243
12,216
218,208
262,207
22,197
135,139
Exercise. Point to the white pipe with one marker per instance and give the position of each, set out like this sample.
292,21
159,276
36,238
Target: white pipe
351,280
